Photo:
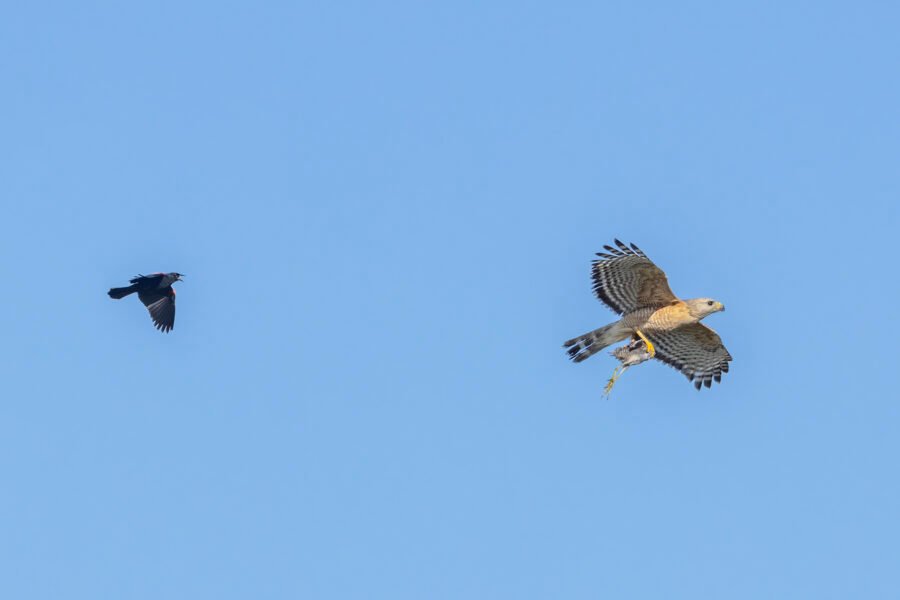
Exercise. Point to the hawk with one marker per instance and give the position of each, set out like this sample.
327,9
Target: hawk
632,286
157,294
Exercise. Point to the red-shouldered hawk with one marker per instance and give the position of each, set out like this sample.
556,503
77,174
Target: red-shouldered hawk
631,285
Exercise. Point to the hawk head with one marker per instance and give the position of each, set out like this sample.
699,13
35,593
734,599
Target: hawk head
701,307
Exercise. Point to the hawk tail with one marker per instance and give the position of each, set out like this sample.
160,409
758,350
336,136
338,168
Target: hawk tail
590,343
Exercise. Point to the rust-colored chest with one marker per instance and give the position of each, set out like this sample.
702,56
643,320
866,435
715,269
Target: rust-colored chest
665,318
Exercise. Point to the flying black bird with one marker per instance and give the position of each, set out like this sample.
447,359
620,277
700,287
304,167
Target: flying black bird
157,294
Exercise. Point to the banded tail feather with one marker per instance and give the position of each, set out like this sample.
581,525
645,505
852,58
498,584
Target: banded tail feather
586,345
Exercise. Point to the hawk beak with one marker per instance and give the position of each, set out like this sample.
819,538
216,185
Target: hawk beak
721,306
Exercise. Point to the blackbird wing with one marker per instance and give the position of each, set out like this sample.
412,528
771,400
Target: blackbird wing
161,304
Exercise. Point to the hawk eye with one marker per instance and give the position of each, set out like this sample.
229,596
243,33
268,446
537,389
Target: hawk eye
710,303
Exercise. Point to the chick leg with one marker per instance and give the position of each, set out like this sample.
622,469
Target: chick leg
612,380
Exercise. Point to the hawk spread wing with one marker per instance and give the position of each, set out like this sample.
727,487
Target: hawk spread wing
695,350
161,307
625,279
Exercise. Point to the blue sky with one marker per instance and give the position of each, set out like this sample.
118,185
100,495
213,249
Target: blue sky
386,214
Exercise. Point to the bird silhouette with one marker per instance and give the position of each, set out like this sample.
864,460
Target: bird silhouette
157,294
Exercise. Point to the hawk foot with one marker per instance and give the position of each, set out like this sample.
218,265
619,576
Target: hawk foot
650,349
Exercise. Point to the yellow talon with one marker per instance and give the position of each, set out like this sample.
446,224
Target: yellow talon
650,349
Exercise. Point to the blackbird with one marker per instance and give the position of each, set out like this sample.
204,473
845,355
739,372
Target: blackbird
157,294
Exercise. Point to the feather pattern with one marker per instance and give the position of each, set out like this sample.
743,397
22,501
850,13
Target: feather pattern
161,305
695,350
625,279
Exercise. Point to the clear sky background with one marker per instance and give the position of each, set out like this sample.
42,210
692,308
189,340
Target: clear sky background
386,214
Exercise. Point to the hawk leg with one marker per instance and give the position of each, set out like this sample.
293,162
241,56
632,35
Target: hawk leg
650,347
